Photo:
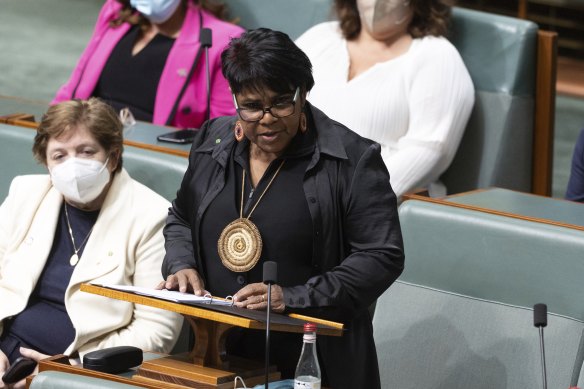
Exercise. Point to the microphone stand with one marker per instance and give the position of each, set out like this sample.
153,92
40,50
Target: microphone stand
542,350
208,113
270,278
206,42
540,321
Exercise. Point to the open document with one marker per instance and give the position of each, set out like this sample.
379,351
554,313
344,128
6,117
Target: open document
171,295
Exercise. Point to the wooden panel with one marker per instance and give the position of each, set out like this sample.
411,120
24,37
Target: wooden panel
162,149
21,120
570,77
61,363
545,105
444,201
522,9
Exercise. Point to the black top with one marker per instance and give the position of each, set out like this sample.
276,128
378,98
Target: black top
44,324
132,80
356,239
285,226
286,231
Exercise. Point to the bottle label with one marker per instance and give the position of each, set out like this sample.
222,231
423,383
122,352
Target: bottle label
307,383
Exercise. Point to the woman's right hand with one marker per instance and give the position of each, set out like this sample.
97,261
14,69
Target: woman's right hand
186,280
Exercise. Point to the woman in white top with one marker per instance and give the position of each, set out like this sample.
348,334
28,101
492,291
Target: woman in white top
386,71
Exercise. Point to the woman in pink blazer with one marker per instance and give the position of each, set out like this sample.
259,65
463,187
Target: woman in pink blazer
147,55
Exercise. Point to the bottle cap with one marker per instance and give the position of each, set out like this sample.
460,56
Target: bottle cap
309,327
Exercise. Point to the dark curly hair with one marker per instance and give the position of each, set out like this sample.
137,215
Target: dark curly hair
431,17
129,15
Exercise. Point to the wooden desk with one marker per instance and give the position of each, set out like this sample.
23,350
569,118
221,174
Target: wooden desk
518,205
10,105
61,363
144,135
208,365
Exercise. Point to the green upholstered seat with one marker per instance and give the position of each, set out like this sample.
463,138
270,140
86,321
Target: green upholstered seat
160,172
16,156
429,338
494,257
291,17
500,55
460,315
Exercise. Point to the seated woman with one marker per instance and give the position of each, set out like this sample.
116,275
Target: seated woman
285,183
386,71
87,221
575,191
147,55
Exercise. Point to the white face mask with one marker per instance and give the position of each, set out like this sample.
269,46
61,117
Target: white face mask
80,180
157,11
380,16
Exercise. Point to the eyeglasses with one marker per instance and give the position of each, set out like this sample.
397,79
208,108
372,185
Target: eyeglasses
278,110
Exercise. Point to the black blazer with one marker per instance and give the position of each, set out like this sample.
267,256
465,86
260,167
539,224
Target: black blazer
357,242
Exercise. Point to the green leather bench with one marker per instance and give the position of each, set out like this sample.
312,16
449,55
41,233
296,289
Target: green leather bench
291,17
500,55
460,315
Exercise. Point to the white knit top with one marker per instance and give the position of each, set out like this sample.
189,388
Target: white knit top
416,105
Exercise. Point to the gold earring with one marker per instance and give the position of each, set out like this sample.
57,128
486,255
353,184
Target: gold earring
238,132
303,124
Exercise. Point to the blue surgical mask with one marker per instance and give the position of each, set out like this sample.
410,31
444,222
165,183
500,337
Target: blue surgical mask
157,11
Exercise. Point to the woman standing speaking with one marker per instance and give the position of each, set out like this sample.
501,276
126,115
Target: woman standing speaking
283,182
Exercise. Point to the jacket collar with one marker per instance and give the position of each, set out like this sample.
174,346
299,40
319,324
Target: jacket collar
328,138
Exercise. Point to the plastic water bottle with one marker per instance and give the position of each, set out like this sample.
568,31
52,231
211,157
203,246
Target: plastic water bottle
307,374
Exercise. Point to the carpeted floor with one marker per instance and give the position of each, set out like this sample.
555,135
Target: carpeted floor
41,40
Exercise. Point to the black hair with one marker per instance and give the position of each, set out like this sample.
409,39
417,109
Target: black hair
264,58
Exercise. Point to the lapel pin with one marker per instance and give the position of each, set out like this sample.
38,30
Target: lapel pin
182,72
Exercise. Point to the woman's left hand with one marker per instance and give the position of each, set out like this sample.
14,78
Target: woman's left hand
35,356
32,354
255,296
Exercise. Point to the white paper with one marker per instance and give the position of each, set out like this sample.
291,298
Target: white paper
170,295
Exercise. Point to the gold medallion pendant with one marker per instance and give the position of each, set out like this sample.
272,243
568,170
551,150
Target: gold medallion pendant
240,245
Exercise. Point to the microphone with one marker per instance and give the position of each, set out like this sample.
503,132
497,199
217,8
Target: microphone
206,39
540,321
270,278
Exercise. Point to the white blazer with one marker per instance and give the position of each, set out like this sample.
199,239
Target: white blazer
125,247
